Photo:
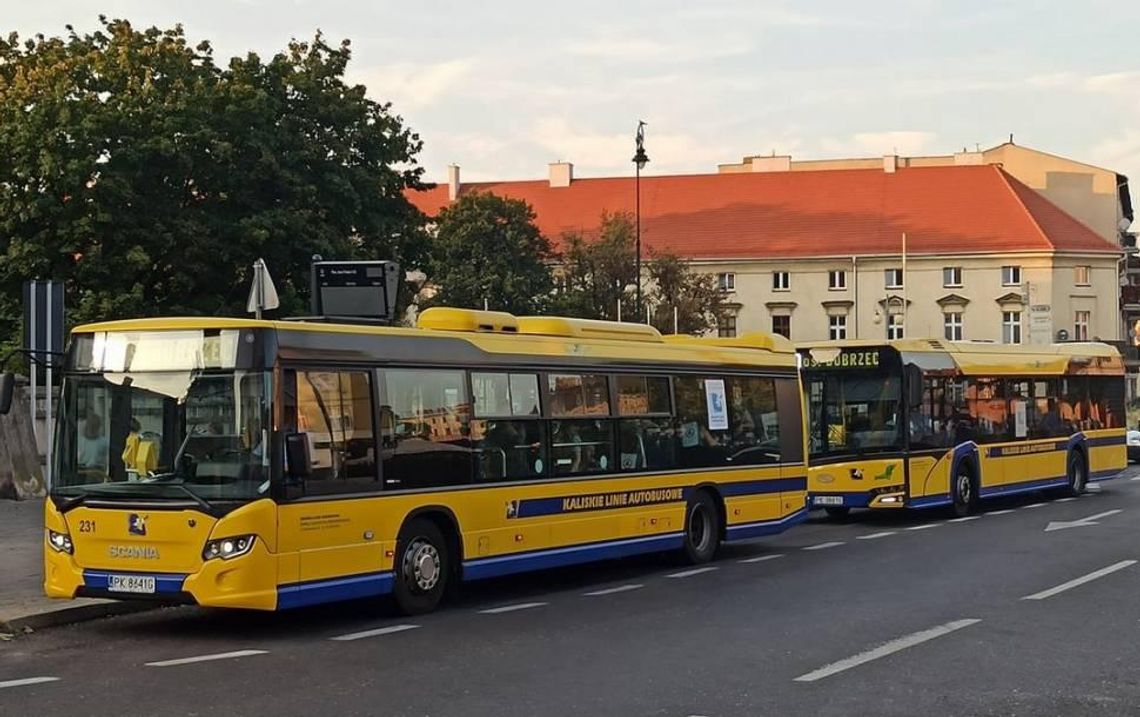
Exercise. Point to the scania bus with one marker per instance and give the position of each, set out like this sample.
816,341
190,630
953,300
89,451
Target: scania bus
275,464
924,423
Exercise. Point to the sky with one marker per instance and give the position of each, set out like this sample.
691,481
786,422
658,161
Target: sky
503,87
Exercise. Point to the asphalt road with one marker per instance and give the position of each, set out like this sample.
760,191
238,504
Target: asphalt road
901,614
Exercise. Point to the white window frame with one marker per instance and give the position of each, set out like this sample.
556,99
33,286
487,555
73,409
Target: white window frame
1011,327
952,325
726,281
837,280
781,281
1082,275
1081,322
837,327
955,281
889,276
1011,275
896,329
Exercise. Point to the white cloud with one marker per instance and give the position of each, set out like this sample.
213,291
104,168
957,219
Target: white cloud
597,152
413,86
903,142
1121,153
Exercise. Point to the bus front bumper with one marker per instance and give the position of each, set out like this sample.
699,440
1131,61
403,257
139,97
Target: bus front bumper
890,499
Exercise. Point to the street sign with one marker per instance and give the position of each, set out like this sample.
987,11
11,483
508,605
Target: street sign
355,289
263,294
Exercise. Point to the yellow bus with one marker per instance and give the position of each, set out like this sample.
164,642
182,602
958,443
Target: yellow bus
924,423
269,465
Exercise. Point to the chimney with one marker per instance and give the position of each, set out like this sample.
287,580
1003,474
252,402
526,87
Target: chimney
452,182
781,163
890,163
968,158
561,174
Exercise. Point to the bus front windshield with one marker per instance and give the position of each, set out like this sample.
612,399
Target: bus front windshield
192,434
853,413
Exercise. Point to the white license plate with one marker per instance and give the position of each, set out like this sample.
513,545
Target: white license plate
131,584
828,500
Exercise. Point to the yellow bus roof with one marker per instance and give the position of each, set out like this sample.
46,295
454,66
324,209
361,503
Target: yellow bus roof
501,333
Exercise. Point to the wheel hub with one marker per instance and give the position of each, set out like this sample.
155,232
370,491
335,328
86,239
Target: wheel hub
964,488
421,564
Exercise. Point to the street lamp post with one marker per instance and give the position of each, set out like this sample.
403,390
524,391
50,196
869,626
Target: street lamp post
640,159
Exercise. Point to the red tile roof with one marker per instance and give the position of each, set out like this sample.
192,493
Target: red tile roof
943,210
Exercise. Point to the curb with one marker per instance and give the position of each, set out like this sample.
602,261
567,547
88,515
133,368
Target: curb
74,614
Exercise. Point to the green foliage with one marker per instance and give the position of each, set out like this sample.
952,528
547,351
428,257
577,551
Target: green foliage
149,179
699,302
597,273
488,248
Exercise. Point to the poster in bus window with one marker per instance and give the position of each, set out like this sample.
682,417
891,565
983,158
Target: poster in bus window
717,404
1020,424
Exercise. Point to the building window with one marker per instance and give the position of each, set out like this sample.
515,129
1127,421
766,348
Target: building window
1082,275
726,281
726,327
837,279
781,281
1081,325
1011,276
894,326
893,278
952,326
782,325
1011,327
952,276
836,328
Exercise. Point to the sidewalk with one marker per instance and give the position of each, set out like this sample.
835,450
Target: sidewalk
22,601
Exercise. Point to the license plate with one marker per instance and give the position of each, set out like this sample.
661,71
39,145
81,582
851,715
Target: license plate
828,500
131,584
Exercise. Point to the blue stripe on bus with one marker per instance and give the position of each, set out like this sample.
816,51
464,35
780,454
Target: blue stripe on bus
482,568
616,500
761,487
930,501
765,527
163,582
1105,441
313,592
1025,487
1106,475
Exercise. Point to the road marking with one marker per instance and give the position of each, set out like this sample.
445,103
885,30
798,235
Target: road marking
511,608
611,591
1135,478
1094,488
1081,580
1034,505
1079,523
27,681
886,649
762,558
207,658
1000,512
1065,500
924,526
964,519
874,536
689,573
824,546
373,633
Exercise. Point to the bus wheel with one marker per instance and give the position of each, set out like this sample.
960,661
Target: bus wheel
422,567
964,495
837,512
1078,476
702,528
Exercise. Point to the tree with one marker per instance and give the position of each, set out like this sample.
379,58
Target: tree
149,179
695,296
596,274
487,248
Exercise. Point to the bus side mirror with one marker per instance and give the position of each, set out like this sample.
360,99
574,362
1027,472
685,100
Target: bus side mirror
7,389
297,456
913,386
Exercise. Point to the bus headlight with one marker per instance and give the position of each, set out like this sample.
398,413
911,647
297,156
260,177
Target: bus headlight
226,548
60,542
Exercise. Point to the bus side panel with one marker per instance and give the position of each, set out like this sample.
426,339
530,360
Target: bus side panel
991,469
929,476
1108,453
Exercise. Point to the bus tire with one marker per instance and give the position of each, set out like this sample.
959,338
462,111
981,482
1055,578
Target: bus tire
964,491
702,528
422,567
837,512
1078,474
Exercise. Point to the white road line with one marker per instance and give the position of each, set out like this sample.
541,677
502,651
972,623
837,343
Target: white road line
1000,512
1134,478
511,608
207,658
762,558
688,573
373,633
964,519
27,681
873,536
611,591
1065,500
1081,580
1094,488
886,649
824,546
1034,505
924,526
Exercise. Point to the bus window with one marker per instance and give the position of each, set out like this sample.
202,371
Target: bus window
506,432
754,429
335,410
988,410
426,420
579,444
645,429
699,444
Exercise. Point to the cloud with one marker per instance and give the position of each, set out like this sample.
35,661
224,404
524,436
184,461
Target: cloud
413,86
617,47
903,142
1121,153
598,152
